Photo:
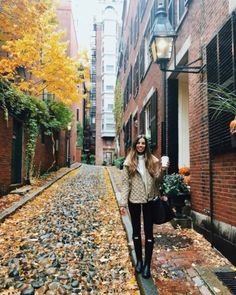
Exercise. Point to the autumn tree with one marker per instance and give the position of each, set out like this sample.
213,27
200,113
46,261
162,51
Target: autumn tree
34,57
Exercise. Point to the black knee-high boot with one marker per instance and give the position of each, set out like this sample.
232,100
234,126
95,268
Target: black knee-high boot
148,257
138,251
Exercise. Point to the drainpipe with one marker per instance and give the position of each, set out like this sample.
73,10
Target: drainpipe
211,199
164,150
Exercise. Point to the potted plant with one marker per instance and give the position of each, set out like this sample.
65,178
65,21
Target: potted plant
177,190
223,100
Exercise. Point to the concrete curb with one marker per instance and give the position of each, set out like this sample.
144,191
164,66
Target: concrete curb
147,287
31,196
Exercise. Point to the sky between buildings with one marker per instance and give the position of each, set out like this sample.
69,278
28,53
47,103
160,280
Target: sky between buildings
84,11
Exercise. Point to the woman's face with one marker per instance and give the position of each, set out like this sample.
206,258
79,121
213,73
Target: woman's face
140,146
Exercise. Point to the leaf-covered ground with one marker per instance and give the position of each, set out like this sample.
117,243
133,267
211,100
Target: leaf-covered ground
9,199
68,240
177,253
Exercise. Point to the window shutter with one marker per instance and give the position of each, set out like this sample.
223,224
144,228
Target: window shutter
128,133
136,28
130,81
225,53
141,76
142,8
154,120
212,63
142,121
220,70
136,77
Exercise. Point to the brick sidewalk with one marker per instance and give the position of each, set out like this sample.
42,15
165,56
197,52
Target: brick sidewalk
183,261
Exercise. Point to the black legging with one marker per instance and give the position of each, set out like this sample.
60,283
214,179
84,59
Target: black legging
135,213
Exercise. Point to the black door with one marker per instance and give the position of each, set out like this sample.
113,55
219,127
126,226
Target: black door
16,163
173,149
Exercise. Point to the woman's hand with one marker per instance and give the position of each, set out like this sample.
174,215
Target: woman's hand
165,168
122,210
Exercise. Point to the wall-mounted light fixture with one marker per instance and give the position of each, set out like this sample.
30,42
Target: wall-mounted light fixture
162,43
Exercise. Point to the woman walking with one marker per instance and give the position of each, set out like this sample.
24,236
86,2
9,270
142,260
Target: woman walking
142,177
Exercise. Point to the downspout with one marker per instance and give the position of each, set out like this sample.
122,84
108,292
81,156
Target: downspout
211,197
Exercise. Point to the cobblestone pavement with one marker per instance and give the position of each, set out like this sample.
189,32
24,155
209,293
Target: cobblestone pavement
183,261
68,240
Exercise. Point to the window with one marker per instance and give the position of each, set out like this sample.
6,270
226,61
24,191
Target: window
143,4
128,87
109,87
136,77
171,12
221,62
110,126
176,11
128,133
47,96
141,62
136,28
148,120
110,68
77,115
180,9
110,106
126,56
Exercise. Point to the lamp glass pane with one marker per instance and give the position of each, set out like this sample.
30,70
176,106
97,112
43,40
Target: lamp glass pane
154,51
164,47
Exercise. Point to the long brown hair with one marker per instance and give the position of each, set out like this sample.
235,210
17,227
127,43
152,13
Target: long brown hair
148,158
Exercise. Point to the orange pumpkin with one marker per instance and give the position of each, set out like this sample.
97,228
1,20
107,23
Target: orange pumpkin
232,126
184,170
187,179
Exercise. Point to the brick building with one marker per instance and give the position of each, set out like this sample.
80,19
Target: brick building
67,23
172,108
13,135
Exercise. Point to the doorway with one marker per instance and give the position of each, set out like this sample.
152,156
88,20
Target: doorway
16,163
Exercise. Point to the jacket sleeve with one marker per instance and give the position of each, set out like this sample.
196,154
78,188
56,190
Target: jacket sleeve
125,191
159,176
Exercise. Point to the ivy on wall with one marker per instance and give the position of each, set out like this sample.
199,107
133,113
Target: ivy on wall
49,116
118,108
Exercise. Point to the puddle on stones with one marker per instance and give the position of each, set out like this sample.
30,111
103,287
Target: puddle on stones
168,241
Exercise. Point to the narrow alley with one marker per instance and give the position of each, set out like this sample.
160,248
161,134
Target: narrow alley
68,240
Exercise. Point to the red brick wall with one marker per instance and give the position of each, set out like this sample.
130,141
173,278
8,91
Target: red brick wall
43,158
5,151
201,22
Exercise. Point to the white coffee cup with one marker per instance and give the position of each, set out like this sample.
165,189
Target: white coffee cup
164,161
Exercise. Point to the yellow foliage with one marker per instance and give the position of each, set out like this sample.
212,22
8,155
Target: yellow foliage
33,43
